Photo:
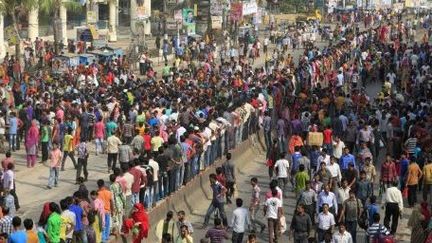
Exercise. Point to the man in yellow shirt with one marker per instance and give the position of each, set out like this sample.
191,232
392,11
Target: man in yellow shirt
156,142
427,179
68,149
414,174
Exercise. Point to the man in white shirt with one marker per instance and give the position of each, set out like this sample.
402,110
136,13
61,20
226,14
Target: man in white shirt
342,236
273,212
153,192
393,202
326,221
281,169
239,221
338,146
335,171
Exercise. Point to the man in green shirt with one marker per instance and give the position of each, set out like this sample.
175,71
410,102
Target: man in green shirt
166,71
300,179
54,223
45,139
111,127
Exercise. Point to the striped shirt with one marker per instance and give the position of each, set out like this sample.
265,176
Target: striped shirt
411,144
375,229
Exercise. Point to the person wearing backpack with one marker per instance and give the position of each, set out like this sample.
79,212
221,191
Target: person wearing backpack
377,233
351,211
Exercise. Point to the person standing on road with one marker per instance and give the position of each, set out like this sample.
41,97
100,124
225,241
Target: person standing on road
55,156
82,160
351,211
106,196
326,197
113,143
31,144
229,172
326,221
427,180
301,225
239,221
413,178
254,205
308,200
217,202
273,212
217,234
342,235
281,169
68,149
393,203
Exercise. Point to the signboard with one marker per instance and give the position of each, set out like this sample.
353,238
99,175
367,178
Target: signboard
236,11
216,22
171,24
249,8
216,7
11,35
188,16
91,17
257,19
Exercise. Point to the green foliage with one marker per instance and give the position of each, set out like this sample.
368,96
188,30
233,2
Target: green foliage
293,6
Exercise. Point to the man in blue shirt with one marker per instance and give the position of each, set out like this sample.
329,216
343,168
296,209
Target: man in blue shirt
346,159
18,236
13,130
404,163
79,233
372,208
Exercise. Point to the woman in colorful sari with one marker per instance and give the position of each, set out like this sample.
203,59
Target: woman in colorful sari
31,143
138,224
119,204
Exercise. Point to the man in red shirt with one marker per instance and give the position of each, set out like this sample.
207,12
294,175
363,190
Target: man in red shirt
327,141
139,179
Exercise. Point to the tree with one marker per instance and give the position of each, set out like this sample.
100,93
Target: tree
52,8
16,8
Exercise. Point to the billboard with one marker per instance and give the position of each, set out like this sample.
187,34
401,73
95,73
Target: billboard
236,11
249,8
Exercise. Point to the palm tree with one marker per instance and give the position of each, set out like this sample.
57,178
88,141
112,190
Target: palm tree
52,8
17,8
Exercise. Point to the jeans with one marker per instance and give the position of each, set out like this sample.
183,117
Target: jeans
207,157
412,195
149,196
237,237
273,228
179,176
391,212
45,151
99,145
351,227
13,142
163,185
53,177
71,155
106,228
282,144
112,161
268,141
82,165
171,180
212,207
187,175
195,165
135,198
253,216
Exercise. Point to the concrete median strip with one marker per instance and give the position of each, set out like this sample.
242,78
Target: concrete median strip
199,187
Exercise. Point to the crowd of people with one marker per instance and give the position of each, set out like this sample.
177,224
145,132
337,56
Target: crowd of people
324,136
